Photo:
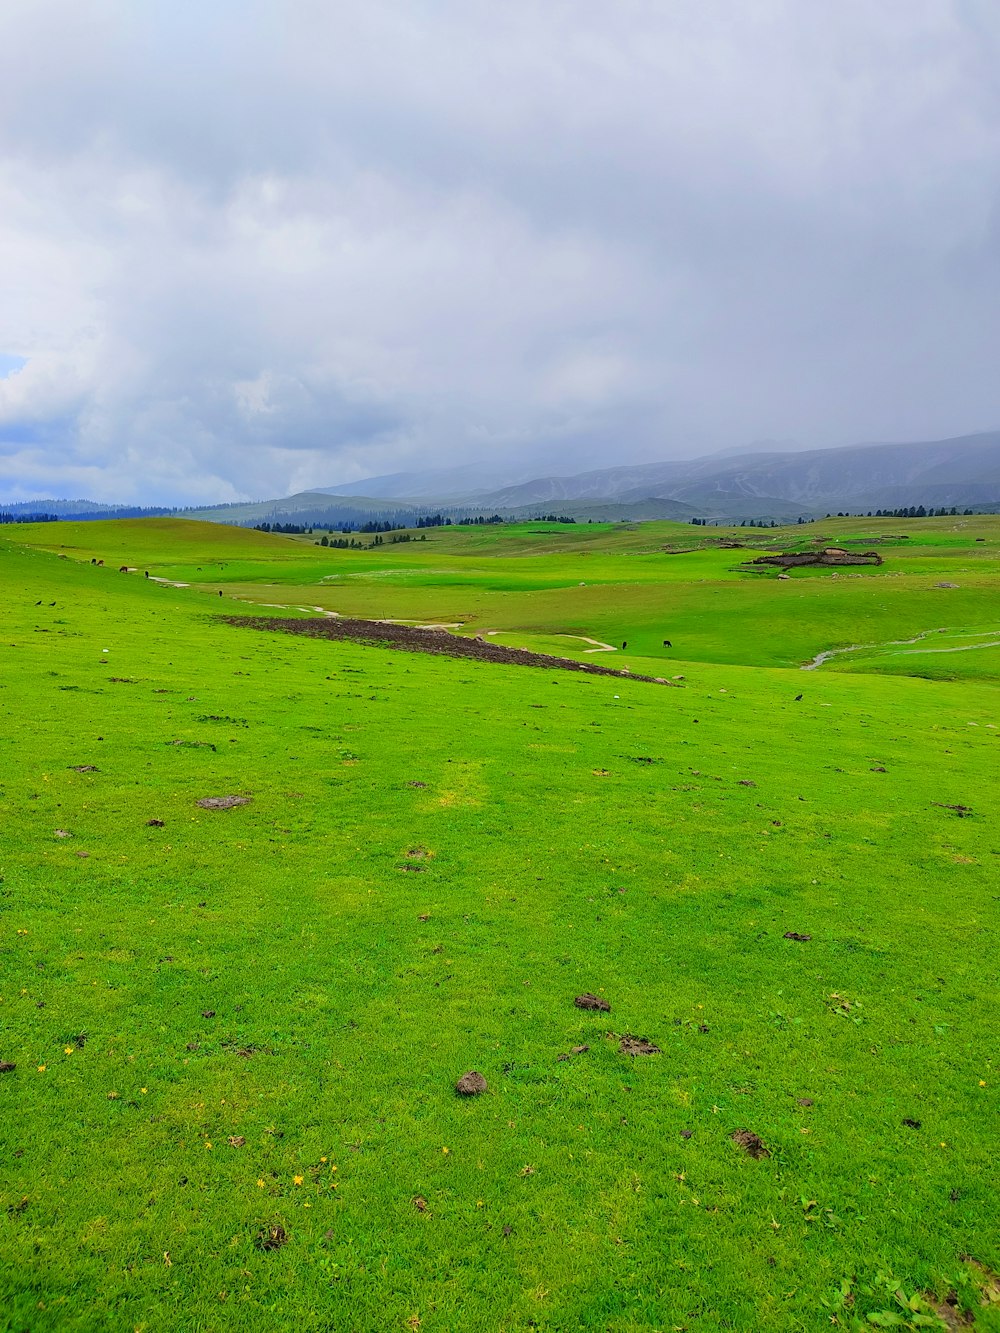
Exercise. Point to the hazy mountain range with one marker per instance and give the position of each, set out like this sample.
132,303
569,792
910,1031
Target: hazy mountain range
962,472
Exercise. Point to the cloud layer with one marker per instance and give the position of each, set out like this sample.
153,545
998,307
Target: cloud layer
249,248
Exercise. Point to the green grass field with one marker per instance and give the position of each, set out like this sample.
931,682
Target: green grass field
237,1032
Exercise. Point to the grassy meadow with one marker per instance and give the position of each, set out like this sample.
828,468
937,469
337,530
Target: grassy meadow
237,1032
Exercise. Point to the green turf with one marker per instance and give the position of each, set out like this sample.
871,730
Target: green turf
437,856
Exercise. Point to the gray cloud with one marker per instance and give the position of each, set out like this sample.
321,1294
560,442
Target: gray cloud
249,248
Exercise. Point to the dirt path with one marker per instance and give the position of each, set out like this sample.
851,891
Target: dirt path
437,642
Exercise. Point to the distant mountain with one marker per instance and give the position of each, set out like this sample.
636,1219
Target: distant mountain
438,483
963,472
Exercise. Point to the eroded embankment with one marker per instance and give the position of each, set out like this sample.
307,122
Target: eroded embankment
437,642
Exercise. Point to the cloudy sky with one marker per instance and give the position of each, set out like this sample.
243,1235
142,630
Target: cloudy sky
250,246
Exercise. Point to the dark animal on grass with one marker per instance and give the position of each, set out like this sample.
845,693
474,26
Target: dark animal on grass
667,643
123,569
625,643
101,564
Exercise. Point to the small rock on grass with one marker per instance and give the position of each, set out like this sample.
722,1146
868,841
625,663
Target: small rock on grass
638,1046
588,1001
751,1143
471,1084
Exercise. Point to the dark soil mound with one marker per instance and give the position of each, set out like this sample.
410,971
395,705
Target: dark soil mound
830,555
589,1001
434,641
471,1084
638,1046
751,1144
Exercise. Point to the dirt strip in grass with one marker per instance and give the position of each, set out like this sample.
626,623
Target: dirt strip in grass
438,642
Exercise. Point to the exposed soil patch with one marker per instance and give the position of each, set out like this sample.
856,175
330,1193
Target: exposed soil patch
438,642
154,823
271,1238
751,1143
589,1001
988,1280
7,1066
963,811
84,768
830,555
222,802
638,1046
794,935
948,1310
471,1084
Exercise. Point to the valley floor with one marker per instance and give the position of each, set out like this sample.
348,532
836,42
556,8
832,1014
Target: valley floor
235,1032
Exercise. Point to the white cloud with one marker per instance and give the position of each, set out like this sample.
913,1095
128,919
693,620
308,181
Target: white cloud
252,248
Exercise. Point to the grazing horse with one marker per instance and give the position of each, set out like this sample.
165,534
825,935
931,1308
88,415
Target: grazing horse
123,569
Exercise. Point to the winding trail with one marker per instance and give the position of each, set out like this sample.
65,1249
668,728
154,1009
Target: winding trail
820,658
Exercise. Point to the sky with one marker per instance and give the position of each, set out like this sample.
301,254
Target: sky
253,246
